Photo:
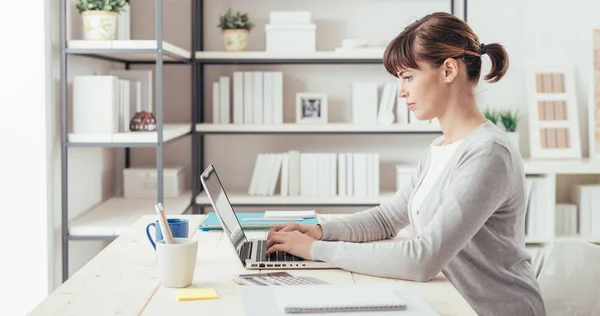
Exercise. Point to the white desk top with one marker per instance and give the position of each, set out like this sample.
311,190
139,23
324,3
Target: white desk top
123,280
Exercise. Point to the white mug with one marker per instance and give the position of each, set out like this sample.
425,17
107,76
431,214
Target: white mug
177,262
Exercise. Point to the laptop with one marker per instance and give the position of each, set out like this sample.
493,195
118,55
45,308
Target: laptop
251,252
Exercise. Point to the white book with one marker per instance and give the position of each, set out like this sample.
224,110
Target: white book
266,170
145,78
323,174
364,103
268,109
96,106
341,174
248,97
258,97
238,97
402,111
255,175
121,105
595,211
305,174
224,112
285,174
138,98
350,174
385,116
275,170
309,177
294,178
360,174
332,174
369,183
375,174
216,106
277,88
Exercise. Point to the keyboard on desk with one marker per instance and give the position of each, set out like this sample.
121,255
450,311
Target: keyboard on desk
277,256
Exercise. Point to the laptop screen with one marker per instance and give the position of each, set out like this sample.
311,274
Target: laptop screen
220,202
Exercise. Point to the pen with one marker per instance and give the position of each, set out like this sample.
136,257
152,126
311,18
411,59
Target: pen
164,224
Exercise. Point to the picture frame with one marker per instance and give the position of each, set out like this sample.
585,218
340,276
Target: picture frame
311,108
553,113
594,98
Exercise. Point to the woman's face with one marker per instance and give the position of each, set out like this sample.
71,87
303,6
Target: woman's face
424,89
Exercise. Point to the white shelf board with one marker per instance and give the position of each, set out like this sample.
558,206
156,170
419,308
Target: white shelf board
170,131
263,55
117,49
314,128
591,239
249,200
561,166
117,214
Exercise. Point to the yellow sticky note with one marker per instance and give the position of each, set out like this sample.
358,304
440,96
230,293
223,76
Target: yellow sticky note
196,294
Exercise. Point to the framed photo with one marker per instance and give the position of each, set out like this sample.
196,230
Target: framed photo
594,102
311,108
553,113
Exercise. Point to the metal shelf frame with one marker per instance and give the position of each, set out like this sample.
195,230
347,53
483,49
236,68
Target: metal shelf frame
159,63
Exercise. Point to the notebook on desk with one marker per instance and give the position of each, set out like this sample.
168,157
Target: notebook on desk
253,221
392,298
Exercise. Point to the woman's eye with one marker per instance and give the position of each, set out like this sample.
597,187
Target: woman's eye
407,78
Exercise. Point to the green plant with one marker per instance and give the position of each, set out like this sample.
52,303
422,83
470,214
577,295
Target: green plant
101,5
491,115
235,21
510,119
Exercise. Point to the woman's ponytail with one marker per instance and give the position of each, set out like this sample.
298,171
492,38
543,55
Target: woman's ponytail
499,58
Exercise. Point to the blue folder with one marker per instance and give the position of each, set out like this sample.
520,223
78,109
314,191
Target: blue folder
211,222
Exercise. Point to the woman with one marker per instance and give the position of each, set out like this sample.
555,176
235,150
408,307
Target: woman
466,199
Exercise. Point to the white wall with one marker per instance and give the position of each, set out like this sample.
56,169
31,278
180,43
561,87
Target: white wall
25,171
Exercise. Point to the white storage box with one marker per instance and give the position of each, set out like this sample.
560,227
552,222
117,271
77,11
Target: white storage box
142,183
289,17
404,175
299,38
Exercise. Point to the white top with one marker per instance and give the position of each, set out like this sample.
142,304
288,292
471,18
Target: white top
439,158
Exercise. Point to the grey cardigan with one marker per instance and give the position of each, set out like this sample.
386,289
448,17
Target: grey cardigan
474,234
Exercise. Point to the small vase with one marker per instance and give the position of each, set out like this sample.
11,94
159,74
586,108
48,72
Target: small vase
514,137
235,40
99,25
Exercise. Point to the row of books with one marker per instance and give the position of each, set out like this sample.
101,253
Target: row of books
316,174
365,101
105,104
257,98
586,197
538,221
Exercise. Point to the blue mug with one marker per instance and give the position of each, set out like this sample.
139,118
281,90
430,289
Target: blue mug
179,229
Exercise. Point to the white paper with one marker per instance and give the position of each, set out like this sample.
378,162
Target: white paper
290,214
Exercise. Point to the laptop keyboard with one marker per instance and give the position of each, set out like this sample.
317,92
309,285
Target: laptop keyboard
274,256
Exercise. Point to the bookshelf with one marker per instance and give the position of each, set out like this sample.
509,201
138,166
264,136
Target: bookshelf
109,218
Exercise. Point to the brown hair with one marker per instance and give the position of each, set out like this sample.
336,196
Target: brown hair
437,37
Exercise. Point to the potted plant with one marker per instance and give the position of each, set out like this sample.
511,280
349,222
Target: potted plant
100,18
509,120
491,115
235,27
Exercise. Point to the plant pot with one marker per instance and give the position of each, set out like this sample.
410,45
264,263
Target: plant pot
99,25
514,137
235,40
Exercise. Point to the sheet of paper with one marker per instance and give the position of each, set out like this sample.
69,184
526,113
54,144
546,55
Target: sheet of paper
293,214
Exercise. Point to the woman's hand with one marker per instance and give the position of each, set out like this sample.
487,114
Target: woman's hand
314,231
292,242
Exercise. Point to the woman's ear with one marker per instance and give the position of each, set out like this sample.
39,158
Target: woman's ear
450,69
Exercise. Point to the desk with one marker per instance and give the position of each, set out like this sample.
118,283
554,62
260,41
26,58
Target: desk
123,280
